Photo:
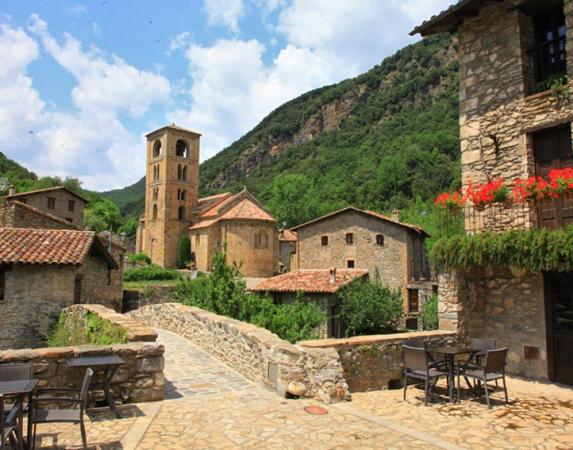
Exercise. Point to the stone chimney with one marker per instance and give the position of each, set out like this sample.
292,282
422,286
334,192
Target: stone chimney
11,189
396,215
332,275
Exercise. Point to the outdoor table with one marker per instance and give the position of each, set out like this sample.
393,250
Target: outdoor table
21,389
450,352
109,364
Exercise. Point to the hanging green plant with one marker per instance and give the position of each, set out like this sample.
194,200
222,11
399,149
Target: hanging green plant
535,250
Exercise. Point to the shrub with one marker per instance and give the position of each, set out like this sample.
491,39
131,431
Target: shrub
225,293
369,308
430,314
139,258
150,272
184,252
92,329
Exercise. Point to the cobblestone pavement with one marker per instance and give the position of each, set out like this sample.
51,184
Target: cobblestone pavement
209,406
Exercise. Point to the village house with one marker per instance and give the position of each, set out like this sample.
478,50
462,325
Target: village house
390,250
56,201
237,223
44,271
318,286
516,58
287,250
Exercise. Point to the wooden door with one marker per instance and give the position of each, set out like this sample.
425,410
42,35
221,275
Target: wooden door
559,299
552,150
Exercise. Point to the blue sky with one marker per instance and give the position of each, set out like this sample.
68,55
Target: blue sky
82,82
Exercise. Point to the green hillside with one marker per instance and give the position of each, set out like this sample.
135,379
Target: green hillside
394,143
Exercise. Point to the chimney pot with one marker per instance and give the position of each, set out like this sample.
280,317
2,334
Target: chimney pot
396,215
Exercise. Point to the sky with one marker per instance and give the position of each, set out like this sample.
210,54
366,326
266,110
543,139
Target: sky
83,82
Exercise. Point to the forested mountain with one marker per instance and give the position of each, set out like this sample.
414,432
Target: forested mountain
385,139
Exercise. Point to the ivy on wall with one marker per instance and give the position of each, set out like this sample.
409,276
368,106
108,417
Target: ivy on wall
535,250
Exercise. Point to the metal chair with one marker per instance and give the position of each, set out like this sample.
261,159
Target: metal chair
493,369
438,363
17,371
9,427
418,365
483,345
74,396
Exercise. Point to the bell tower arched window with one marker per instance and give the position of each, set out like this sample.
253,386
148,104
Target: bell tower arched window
184,173
181,149
156,148
156,172
181,213
154,212
179,172
155,194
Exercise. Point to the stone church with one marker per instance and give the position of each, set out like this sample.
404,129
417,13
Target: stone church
173,209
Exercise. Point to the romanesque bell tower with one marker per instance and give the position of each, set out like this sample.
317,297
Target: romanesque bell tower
171,192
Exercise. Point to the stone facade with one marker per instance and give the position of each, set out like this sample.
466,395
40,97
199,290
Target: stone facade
15,214
58,201
375,362
254,352
398,259
150,295
499,121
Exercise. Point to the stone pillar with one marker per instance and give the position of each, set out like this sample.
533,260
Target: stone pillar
450,300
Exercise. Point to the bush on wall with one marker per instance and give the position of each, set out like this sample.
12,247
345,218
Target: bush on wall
149,272
430,320
370,308
91,329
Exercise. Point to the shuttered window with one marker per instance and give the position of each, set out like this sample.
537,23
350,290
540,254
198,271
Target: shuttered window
552,150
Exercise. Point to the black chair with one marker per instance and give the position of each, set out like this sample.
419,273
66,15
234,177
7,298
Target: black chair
73,396
10,430
435,361
493,369
18,371
418,365
482,345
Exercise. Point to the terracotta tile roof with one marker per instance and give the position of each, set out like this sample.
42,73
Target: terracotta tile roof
41,191
18,204
203,224
31,246
206,203
310,281
288,235
450,18
414,228
247,209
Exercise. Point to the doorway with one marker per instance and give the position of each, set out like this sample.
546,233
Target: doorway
559,302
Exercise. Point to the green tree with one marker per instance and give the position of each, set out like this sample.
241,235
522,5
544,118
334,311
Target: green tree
369,308
129,227
430,319
183,252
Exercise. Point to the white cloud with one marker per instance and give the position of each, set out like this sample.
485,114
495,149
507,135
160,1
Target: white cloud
227,13
179,41
92,142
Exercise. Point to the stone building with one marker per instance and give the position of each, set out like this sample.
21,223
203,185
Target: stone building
319,286
44,271
352,238
173,210
287,250
56,201
513,125
15,214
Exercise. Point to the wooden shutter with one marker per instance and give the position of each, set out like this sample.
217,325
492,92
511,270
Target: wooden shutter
552,150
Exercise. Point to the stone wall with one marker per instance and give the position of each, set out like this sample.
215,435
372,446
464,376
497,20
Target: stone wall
502,305
140,379
497,116
18,215
375,362
389,260
61,208
254,352
150,295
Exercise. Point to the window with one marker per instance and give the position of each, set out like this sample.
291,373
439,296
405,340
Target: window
156,172
548,54
154,212
324,240
412,300
180,194
156,148
261,239
51,203
181,172
349,238
2,285
350,264
155,193
181,149
71,205
380,239
181,213
184,174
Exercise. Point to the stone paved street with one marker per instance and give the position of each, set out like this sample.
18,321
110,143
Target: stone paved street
210,406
